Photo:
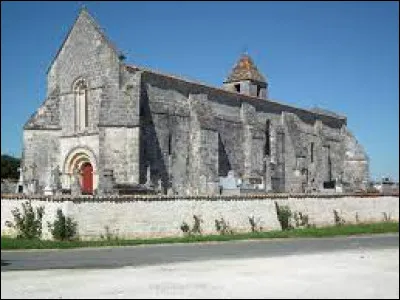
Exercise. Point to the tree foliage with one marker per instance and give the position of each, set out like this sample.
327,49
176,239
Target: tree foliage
63,228
9,167
27,222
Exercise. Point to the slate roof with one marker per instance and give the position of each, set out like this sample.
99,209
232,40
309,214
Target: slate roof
245,69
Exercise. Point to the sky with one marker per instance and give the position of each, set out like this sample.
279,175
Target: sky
340,56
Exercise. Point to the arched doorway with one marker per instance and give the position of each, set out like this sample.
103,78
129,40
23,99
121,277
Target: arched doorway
87,178
82,162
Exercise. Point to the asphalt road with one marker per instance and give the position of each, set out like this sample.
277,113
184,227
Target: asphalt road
116,257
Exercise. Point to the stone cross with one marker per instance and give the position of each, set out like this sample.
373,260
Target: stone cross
76,187
20,175
55,178
148,177
159,186
20,183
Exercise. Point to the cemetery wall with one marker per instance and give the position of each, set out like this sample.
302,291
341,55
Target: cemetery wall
156,216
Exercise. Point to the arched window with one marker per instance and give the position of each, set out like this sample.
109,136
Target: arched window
81,105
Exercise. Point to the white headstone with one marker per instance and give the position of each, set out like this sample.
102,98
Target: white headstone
148,177
48,191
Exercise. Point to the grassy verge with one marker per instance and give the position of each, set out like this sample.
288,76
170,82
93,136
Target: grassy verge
351,229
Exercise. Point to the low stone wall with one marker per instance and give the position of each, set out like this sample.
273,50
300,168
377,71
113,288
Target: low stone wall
154,216
9,186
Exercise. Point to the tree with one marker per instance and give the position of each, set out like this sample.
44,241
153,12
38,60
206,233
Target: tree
9,166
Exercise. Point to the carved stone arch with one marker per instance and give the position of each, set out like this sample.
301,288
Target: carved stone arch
76,159
78,80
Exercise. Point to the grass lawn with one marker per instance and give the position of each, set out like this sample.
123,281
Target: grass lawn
350,229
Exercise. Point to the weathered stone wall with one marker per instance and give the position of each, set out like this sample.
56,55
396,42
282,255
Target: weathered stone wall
121,153
41,153
155,216
328,153
9,186
356,162
241,127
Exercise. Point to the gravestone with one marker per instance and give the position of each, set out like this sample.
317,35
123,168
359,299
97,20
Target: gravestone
48,190
75,185
107,182
159,187
20,185
56,180
229,184
148,178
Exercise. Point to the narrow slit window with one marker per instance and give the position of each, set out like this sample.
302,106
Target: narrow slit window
312,152
169,144
267,147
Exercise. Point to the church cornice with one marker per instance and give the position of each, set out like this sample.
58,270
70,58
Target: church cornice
37,127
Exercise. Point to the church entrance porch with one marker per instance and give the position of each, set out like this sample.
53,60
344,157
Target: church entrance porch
80,172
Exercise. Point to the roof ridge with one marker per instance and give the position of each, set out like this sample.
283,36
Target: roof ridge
157,72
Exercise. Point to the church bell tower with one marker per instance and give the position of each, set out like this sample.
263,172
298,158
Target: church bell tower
246,79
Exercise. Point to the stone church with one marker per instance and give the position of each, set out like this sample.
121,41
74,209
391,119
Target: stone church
105,124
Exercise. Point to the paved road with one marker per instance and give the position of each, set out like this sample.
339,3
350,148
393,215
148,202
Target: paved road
101,258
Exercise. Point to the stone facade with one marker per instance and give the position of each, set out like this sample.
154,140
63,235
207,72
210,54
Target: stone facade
124,120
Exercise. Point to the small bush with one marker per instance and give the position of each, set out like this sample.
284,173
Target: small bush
338,219
28,223
253,225
386,217
284,215
222,227
357,218
301,220
108,235
63,228
185,228
196,226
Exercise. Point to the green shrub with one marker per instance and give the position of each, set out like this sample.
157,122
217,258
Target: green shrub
63,228
196,226
386,217
9,166
253,225
28,223
301,220
109,235
185,228
338,219
284,215
222,227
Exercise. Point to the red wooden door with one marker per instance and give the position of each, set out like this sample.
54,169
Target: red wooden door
87,178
